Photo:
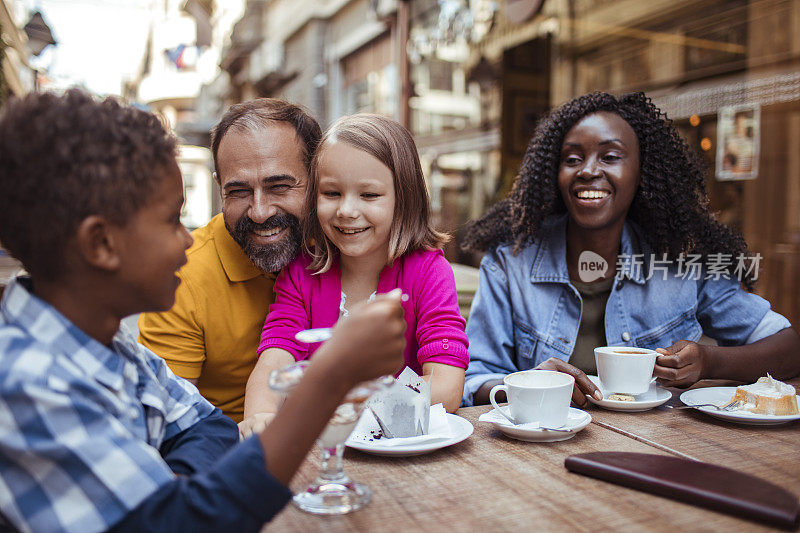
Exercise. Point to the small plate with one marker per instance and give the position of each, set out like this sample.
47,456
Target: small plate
460,429
721,396
655,396
576,421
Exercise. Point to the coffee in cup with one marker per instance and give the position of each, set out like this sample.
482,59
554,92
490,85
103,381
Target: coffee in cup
625,370
536,396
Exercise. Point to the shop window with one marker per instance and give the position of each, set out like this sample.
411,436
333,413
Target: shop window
440,75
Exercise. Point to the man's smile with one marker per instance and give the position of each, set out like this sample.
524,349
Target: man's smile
266,236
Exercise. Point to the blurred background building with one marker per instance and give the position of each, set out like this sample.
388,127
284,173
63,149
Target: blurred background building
471,78
23,36
181,56
17,76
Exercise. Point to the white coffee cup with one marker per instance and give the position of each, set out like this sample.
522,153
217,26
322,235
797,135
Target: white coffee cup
536,396
625,369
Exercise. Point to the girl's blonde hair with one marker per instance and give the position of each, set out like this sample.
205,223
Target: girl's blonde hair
391,144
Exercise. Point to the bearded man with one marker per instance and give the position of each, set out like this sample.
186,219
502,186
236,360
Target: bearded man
262,150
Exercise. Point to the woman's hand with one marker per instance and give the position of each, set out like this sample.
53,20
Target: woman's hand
681,365
583,385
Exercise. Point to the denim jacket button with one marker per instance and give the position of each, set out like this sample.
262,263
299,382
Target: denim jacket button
626,336
619,285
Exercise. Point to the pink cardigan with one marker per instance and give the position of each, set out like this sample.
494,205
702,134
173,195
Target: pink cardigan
435,331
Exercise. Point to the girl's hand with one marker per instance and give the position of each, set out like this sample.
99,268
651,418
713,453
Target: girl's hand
583,385
681,365
254,424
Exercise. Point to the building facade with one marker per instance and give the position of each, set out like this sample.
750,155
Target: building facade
181,59
17,76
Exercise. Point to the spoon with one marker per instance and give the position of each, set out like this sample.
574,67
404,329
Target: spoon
310,336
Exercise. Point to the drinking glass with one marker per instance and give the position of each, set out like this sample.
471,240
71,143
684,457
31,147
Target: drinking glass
332,492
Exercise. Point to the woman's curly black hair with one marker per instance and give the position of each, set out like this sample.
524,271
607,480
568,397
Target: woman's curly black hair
671,205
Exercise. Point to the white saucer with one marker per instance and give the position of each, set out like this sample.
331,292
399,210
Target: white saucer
576,421
655,396
721,396
460,429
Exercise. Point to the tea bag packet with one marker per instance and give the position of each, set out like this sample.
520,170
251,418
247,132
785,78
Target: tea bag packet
403,410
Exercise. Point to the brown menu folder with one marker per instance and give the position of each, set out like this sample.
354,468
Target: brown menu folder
702,484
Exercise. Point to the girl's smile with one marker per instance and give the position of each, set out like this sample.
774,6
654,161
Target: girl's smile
355,202
351,231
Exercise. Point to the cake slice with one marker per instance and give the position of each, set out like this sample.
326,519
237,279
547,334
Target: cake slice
403,410
767,396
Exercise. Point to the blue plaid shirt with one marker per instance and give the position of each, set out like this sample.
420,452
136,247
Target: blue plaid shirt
81,425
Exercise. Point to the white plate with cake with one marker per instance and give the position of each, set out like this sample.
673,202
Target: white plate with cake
367,437
765,403
401,421
653,397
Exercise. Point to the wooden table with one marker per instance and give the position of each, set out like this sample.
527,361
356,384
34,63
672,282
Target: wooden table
493,483
769,452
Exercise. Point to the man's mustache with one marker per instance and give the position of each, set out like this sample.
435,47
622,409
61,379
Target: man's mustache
281,220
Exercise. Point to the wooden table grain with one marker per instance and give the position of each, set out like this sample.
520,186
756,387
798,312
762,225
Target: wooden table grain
769,452
494,483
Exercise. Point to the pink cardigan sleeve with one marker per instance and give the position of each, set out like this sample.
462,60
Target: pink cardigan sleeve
440,326
288,314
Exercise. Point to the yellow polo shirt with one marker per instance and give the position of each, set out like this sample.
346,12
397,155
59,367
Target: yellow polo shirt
213,330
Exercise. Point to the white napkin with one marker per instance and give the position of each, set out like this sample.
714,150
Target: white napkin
494,417
367,428
404,408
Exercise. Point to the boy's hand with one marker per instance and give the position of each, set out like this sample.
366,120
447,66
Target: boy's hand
367,344
681,365
370,341
583,385
254,424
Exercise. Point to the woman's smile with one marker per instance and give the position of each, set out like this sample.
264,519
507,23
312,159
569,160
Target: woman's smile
591,198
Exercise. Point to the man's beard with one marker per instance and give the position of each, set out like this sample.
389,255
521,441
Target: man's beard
268,257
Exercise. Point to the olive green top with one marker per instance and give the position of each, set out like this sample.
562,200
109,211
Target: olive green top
592,331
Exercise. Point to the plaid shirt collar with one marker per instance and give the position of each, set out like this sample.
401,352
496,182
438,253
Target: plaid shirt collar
21,308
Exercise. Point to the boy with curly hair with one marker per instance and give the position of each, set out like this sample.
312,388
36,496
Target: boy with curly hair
98,433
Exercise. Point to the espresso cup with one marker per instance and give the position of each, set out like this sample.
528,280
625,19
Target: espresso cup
536,396
625,369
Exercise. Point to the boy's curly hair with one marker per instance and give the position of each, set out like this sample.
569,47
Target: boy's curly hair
63,158
671,205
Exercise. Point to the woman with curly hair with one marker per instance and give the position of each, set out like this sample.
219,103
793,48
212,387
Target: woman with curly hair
606,239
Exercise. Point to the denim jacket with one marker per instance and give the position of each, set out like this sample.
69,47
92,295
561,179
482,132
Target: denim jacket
526,310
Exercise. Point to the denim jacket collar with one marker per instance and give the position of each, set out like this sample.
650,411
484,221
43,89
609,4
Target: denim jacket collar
550,262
